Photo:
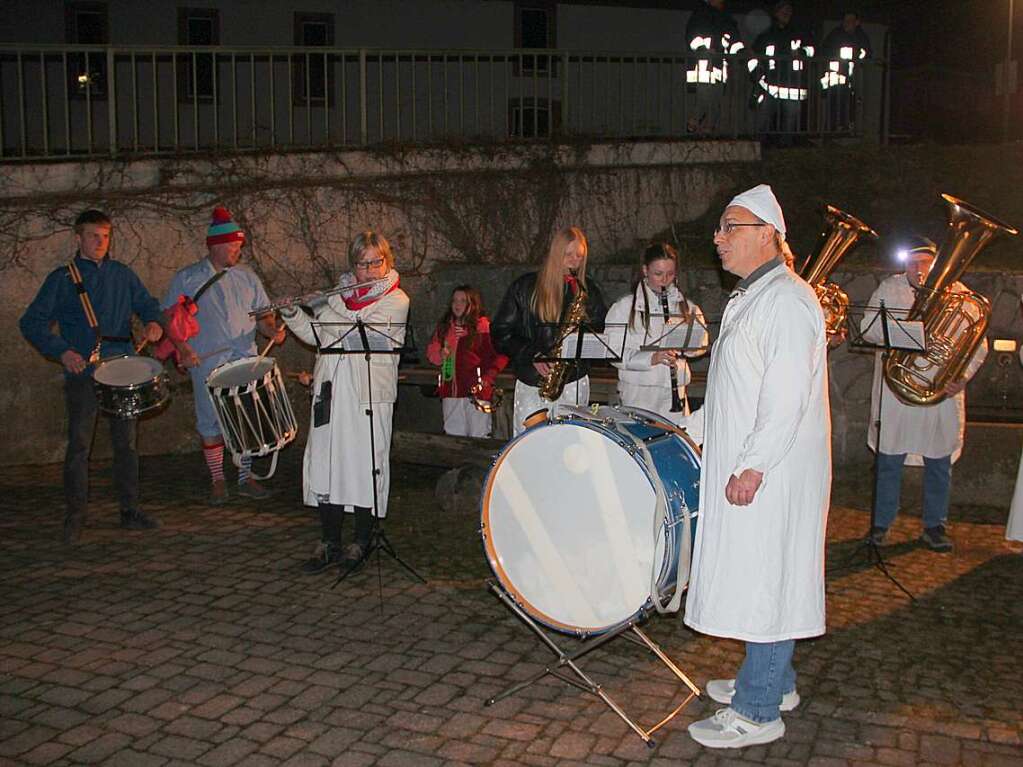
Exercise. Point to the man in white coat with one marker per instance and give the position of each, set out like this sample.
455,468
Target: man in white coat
758,565
914,434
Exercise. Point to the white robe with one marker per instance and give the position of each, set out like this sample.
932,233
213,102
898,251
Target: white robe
641,383
758,570
1014,525
337,467
933,431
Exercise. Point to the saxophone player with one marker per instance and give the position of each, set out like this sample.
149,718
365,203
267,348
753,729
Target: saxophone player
912,435
538,308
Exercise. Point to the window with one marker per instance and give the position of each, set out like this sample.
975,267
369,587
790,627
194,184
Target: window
310,69
197,71
531,118
535,28
86,24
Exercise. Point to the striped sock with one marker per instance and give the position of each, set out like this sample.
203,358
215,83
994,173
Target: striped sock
245,470
215,461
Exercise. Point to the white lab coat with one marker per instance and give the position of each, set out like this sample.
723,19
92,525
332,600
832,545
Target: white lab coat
336,467
758,570
933,431
641,383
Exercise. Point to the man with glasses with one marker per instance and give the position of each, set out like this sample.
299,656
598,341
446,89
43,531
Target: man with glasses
226,333
758,563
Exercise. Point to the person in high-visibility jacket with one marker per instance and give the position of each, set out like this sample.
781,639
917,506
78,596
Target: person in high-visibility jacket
712,36
845,46
778,68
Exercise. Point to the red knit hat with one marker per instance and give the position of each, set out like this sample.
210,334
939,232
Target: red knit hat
223,228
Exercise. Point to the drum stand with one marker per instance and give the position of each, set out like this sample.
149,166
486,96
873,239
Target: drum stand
580,679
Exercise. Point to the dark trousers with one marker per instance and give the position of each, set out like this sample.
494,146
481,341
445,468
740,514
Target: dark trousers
80,400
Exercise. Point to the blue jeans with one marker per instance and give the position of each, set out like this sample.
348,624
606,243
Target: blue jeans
764,677
937,486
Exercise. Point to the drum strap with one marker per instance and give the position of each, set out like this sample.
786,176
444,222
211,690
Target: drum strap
685,545
83,296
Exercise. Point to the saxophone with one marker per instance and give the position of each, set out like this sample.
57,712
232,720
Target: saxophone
553,384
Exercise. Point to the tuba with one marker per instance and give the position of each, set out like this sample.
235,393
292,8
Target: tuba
841,233
553,384
954,322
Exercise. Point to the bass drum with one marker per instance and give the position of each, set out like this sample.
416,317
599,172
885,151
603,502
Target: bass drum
570,520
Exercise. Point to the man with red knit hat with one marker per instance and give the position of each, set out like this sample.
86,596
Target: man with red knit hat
226,333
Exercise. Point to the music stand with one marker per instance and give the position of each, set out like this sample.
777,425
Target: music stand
680,336
367,339
584,344
897,333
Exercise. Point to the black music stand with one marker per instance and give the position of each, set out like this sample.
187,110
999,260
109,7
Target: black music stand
585,343
897,333
680,336
367,339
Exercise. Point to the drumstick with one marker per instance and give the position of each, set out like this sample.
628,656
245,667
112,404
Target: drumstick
141,346
262,354
214,353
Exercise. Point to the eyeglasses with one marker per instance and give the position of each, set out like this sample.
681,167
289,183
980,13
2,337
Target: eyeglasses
727,227
374,264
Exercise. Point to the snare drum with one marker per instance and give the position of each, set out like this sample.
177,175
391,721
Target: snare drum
127,387
252,406
568,516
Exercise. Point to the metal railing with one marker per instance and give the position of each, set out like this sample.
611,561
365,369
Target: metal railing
93,101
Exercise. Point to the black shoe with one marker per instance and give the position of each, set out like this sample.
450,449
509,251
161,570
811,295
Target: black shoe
73,524
935,539
327,554
877,535
353,558
133,519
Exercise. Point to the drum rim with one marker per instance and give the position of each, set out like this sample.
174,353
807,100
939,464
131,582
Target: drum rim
160,377
488,545
252,358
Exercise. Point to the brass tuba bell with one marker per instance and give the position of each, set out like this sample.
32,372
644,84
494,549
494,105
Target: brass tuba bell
841,233
954,322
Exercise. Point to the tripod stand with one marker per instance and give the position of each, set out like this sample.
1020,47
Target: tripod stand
367,340
869,546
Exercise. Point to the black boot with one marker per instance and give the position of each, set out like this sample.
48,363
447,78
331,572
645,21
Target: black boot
328,551
73,523
354,553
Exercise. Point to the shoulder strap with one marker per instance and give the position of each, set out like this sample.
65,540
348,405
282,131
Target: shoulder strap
208,284
83,295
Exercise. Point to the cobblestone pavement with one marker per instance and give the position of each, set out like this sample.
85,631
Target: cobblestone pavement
201,644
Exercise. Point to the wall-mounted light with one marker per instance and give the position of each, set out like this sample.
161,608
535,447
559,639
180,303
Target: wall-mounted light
1004,345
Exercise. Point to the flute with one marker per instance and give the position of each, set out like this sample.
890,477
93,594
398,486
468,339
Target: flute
284,303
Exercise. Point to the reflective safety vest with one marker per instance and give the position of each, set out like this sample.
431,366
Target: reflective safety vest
778,78
843,49
713,34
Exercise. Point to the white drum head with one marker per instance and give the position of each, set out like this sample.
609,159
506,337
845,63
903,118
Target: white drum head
127,371
568,521
240,372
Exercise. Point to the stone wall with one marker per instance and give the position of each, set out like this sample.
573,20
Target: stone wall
491,206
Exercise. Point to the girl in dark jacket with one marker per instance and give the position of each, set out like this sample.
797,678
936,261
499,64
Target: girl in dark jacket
469,364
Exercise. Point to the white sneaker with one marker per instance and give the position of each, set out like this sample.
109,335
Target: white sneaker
726,729
722,691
